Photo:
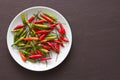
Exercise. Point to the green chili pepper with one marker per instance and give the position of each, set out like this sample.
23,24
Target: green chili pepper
23,33
50,15
21,45
41,26
39,45
17,41
25,52
51,34
50,38
44,50
15,37
15,30
20,32
23,18
33,46
26,46
31,60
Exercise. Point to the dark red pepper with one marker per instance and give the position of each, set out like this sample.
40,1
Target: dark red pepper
31,19
19,26
46,18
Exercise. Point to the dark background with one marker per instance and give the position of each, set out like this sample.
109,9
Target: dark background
95,52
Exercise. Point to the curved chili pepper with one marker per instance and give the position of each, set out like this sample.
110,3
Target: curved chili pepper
57,47
46,18
62,28
39,52
64,39
19,26
46,47
22,56
53,25
50,15
39,21
59,30
42,36
51,45
35,56
31,19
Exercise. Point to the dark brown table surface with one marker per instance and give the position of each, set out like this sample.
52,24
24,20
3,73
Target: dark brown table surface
95,52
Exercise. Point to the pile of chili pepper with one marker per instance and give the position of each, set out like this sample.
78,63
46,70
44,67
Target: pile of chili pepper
38,35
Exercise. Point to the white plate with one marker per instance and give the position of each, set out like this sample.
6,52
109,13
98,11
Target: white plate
51,63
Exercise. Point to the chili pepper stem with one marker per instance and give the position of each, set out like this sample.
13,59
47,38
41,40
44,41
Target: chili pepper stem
56,57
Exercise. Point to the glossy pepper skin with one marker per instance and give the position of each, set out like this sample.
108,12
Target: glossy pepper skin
35,56
42,37
62,28
31,19
42,32
46,47
22,56
19,26
50,15
46,18
39,21
64,39
39,52
44,59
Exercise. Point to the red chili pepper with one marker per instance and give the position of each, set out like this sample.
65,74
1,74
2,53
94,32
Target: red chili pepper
59,39
42,32
36,29
42,36
46,18
46,47
57,47
31,19
32,53
53,25
39,52
62,28
44,59
19,26
64,39
39,21
59,30
35,56
51,45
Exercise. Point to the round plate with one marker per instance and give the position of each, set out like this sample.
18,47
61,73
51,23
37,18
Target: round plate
51,63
